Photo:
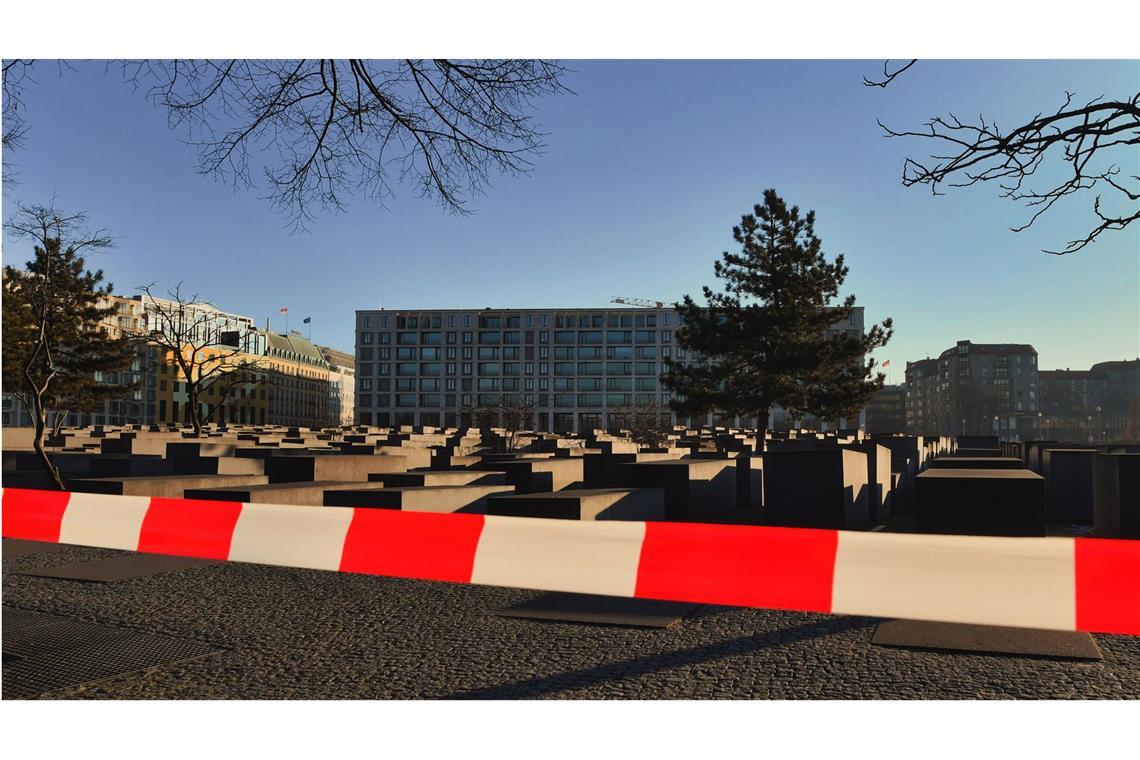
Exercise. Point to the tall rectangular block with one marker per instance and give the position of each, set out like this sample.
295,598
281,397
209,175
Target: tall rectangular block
1116,495
980,502
817,489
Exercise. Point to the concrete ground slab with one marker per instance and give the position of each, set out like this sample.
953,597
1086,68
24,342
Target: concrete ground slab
123,568
987,639
17,547
601,610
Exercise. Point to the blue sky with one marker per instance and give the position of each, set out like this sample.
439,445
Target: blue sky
647,167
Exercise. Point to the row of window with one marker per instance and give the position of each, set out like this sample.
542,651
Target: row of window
499,369
557,400
516,337
494,322
509,353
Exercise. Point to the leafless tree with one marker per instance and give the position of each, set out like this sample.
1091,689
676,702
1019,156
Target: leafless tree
511,412
210,358
331,126
1094,140
646,424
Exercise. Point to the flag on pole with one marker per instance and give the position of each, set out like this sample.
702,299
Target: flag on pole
306,320
284,310
887,363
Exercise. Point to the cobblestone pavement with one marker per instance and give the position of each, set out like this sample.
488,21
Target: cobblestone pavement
300,634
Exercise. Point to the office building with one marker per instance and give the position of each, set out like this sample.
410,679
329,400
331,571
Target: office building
575,367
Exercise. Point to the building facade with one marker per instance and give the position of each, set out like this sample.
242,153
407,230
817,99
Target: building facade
926,407
576,368
1097,405
975,389
342,386
886,411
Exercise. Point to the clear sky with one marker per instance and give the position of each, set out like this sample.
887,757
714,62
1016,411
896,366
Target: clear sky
647,168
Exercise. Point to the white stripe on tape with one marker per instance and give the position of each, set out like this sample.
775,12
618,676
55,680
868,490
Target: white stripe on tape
998,581
275,534
559,555
110,522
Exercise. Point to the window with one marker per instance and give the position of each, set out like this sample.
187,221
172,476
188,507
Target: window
406,339
366,339
645,336
563,337
666,336
430,338
490,338
406,369
589,399
451,323
384,322
620,352
366,321
385,338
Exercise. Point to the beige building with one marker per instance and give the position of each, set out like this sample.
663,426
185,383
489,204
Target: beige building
342,385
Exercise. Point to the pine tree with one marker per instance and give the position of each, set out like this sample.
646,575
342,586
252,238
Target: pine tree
54,338
765,339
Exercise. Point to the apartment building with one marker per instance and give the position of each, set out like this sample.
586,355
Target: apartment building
975,389
577,367
1097,405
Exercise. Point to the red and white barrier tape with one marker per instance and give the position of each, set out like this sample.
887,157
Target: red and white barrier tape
1080,584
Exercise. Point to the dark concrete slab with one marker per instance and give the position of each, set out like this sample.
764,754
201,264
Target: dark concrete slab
18,547
980,502
988,639
124,568
45,653
601,610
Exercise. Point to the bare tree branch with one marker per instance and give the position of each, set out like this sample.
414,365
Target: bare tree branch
1090,139
888,75
315,129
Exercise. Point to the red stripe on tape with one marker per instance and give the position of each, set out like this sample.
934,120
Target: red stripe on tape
424,545
1108,585
189,527
783,568
33,515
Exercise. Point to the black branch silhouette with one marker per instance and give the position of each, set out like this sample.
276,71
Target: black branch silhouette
318,128
888,75
1092,139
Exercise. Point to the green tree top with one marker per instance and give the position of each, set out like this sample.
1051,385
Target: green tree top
765,340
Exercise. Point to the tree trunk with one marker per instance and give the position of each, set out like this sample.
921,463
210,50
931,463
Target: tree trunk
195,412
40,420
